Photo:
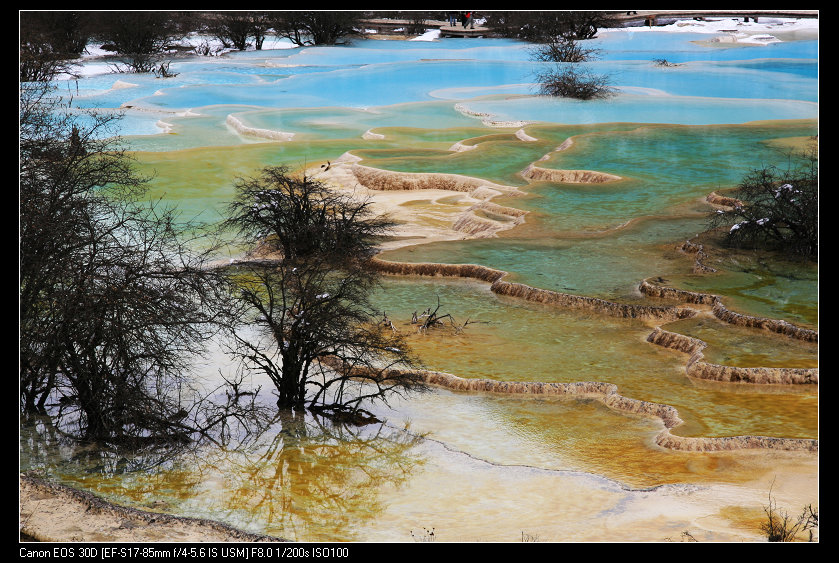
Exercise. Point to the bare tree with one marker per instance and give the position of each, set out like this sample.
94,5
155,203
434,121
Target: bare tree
38,62
48,41
231,28
557,39
139,37
261,23
65,32
430,319
562,50
664,63
577,24
316,27
313,330
416,21
568,81
113,300
542,25
299,216
780,526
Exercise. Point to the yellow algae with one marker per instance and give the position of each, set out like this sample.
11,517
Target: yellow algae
744,518
416,203
301,481
792,144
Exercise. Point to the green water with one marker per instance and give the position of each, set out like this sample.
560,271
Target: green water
608,267
512,341
781,290
742,347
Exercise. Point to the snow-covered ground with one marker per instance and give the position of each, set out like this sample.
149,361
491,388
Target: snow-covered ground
733,30
429,35
94,59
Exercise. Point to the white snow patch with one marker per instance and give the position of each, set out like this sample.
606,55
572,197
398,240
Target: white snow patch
430,35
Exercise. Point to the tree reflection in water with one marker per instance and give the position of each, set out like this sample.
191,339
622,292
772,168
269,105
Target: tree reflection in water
312,479
297,476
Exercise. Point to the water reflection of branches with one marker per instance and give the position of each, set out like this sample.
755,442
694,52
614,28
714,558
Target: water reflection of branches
48,452
235,419
227,413
296,475
310,476
139,468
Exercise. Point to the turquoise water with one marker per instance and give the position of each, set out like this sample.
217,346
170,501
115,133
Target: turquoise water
680,109
374,73
608,267
663,167
683,47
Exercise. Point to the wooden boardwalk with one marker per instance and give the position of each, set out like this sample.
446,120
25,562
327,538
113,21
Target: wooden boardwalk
394,27
460,31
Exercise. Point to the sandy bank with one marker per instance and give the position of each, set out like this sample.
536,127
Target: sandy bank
56,513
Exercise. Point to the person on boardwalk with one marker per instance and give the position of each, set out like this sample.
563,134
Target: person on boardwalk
452,19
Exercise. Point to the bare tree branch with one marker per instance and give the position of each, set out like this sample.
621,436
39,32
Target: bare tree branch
312,301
